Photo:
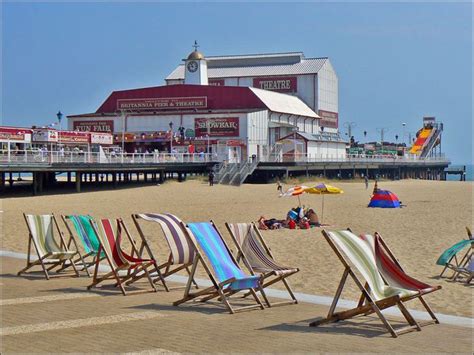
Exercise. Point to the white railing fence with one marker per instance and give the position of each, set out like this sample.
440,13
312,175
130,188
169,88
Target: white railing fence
50,157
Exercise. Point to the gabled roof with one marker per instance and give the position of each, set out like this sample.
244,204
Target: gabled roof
230,98
305,66
283,103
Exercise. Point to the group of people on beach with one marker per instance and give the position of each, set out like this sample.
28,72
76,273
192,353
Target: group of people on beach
298,217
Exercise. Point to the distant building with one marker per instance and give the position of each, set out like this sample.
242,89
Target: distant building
313,80
235,122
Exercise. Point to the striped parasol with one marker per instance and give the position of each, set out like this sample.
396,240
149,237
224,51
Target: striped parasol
295,191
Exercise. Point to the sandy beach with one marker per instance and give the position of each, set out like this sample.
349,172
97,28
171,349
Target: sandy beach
434,218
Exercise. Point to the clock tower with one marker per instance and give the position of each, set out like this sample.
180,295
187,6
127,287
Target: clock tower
195,68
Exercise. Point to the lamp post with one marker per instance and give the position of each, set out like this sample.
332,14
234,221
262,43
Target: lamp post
60,116
122,113
171,137
349,126
403,135
208,127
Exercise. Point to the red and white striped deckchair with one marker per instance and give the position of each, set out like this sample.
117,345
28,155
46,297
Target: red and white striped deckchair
258,258
41,238
182,252
394,275
109,235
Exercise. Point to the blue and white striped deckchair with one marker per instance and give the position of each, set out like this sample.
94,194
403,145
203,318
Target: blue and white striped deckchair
90,244
224,272
41,229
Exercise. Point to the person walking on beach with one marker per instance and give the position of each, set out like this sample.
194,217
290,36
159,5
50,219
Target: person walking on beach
211,178
366,179
279,187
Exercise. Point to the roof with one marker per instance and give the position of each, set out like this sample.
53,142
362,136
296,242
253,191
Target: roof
216,98
195,55
304,66
318,137
283,103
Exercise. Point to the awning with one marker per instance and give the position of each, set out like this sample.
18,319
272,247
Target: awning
273,124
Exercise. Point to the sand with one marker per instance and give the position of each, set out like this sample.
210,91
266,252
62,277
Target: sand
434,218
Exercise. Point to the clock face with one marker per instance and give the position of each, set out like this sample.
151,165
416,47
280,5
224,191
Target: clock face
192,66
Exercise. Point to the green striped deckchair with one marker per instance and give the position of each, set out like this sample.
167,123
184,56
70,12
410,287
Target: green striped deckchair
85,233
376,294
449,258
42,238
258,258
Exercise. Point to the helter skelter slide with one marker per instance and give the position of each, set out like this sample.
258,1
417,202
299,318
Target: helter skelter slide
427,138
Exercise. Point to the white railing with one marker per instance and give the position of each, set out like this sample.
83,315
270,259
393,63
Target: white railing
52,157
328,158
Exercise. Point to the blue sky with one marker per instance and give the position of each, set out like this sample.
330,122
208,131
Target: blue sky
396,62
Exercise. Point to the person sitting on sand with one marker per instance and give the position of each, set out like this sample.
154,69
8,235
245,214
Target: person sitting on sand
313,218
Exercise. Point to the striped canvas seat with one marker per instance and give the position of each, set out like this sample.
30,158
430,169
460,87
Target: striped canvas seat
82,225
42,231
182,252
226,277
43,237
390,270
257,256
109,234
363,259
377,294
219,257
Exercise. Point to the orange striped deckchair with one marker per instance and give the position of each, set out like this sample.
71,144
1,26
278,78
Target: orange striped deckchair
258,258
182,252
41,237
394,275
376,294
125,268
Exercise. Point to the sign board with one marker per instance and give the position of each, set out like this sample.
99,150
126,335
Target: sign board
189,133
162,103
217,127
17,135
279,84
329,119
429,120
45,135
74,137
102,138
216,82
93,126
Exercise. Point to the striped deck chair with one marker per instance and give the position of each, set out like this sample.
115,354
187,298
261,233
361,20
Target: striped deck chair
181,251
377,295
449,258
125,268
224,272
258,257
42,238
85,233
467,271
393,274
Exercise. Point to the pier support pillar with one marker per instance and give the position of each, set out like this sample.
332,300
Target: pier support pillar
10,179
78,181
40,182
69,177
114,179
162,177
2,181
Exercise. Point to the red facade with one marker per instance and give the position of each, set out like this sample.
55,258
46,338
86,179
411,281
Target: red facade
217,97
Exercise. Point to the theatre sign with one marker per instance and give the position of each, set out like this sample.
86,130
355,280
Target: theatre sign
93,126
162,103
279,84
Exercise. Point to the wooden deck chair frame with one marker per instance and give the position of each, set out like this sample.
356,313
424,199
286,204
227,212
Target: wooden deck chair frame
218,289
161,275
368,304
114,274
459,264
43,260
389,252
267,275
85,260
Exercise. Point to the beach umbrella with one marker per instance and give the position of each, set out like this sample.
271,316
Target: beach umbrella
295,191
323,189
